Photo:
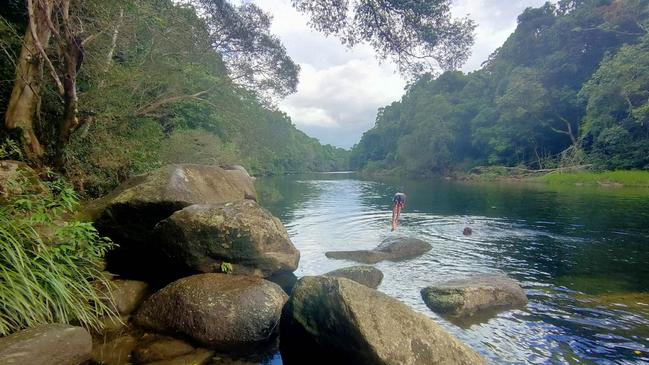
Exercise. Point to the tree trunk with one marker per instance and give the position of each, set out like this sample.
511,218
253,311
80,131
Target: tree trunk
73,57
27,86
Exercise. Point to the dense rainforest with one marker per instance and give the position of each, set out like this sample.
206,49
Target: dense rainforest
155,86
570,87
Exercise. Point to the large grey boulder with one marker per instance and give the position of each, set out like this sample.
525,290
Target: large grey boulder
202,237
474,295
219,311
134,207
369,276
338,321
391,249
59,344
129,213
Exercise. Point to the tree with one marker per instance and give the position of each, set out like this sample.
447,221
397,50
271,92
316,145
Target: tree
255,58
418,35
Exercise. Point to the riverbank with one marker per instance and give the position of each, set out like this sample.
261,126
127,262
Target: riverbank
572,176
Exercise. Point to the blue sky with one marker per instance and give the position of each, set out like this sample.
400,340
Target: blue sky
341,89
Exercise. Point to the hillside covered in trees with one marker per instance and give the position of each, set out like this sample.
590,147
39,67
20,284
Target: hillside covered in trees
570,87
155,83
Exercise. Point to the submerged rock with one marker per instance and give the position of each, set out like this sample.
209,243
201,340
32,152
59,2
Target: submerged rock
474,295
219,311
202,237
391,249
196,357
369,276
59,344
114,352
338,321
159,348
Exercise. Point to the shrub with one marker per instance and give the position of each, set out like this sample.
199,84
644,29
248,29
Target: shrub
50,268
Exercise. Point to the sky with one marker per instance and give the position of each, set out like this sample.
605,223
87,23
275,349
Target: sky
341,89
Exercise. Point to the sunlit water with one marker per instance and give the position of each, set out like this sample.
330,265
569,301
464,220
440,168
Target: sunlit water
581,255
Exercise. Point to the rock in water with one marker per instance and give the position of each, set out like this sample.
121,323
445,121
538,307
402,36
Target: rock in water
114,352
244,234
403,248
338,321
196,357
128,214
369,276
362,256
59,344
160,348
219,311
391,249
474,295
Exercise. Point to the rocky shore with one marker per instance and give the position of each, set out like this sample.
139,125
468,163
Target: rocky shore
203,273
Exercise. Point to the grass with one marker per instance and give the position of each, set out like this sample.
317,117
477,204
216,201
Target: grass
50,268
607,178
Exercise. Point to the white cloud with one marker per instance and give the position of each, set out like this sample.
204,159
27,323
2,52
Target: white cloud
341,89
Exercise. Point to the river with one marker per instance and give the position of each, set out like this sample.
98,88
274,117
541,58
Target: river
581,255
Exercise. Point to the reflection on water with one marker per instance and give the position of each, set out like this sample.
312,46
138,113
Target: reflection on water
581,255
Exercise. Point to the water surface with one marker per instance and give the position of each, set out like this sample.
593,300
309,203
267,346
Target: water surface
581,255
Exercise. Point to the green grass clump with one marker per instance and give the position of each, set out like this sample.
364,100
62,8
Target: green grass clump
624,178
50,268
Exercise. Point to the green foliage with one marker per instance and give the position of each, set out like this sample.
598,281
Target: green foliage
226,267
50,266
568,87
417,35
10,150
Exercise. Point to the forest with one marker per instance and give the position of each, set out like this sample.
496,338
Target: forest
154,83
570,87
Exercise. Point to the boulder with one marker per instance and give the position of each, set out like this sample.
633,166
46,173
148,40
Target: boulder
16,178
160,348
128,214
219,311
128,295
114,352
338,321
196,357
59,344
202,237
285,279
477,294
238,169
391,249
369,276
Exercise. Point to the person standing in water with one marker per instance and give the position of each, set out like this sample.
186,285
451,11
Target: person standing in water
398,203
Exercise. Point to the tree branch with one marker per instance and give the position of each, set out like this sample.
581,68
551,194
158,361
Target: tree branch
39,46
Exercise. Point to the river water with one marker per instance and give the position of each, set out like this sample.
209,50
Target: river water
581,255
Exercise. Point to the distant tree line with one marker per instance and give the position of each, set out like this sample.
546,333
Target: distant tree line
569,87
